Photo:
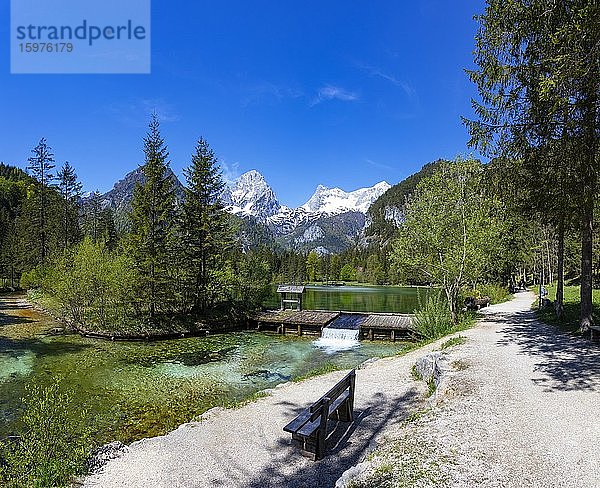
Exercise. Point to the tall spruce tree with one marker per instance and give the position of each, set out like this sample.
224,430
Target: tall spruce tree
40,166
205,229
70,190
153,223
539,78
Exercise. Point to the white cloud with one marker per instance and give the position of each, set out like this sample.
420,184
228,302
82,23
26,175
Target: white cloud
229,171
330,92
136,113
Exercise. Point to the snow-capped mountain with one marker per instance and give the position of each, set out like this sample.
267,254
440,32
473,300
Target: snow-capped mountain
331,216
333,201
251,196
329,221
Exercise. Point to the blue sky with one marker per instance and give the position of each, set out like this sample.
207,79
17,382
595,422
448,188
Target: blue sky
334,92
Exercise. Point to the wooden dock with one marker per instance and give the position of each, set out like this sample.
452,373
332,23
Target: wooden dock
312,322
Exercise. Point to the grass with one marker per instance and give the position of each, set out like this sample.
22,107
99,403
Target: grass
406,461
324,369
431,386
235,404
497,293
570,319
453,341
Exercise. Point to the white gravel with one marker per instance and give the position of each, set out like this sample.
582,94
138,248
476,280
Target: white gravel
523,413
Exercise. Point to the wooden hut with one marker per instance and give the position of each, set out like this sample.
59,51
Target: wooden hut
291,296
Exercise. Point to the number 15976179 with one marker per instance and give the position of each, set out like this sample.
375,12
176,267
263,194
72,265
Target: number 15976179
46,47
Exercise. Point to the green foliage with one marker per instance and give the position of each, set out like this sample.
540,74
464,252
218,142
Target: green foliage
449,231
205,230
313,266
94,286
250,281
497,293
348,273
397,196
153,226
53,443
70,191
432,319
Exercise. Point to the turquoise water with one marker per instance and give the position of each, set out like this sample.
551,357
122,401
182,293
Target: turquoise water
133,390
394,299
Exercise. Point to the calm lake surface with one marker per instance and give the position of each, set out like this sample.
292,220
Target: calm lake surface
134,390
394,299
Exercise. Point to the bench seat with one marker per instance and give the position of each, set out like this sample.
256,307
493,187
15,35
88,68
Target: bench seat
309,428
302,425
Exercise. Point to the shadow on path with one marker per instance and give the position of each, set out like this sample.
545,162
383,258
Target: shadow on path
346,445
567,362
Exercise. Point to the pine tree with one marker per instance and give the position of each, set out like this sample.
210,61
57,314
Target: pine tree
91,215
152,219
70,190
40,166
205,229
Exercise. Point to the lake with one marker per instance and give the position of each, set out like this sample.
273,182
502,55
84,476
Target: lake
140,389
396,299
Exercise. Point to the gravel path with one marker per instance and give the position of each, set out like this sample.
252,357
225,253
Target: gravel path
524,412
530,412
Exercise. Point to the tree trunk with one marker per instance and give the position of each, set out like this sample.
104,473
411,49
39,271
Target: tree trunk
559,303
586,264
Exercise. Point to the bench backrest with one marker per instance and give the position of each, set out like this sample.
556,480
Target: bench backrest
347,382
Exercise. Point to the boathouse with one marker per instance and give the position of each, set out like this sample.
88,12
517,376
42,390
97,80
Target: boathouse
291,296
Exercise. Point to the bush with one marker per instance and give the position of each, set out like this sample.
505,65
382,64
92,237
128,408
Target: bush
432,318
53,444
33,278
497,293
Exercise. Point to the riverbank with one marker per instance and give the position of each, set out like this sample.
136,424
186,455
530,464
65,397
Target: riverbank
140,329
517,409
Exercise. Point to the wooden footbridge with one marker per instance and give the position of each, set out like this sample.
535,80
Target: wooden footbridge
312,322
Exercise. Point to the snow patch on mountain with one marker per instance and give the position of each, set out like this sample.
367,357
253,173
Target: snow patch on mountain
313,233
333,201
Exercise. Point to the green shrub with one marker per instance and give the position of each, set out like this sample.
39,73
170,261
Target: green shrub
53,443
432,318
497,293
33,278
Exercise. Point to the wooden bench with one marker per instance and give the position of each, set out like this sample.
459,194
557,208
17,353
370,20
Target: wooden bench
595,333
309,429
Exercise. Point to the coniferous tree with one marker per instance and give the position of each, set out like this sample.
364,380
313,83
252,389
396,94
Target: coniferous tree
538,76
70,190
152,219
205,229
40,166
91,215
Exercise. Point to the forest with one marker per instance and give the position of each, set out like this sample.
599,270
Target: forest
527,214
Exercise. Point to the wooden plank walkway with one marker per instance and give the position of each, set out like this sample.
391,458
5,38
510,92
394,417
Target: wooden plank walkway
383,325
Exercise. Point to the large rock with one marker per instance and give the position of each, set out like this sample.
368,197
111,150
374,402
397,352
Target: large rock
432,366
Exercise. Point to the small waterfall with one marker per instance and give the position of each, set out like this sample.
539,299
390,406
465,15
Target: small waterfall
341,335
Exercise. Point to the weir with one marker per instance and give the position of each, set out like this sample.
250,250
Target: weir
342,333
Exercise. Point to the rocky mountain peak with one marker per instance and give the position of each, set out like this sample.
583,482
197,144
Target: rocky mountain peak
251,196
